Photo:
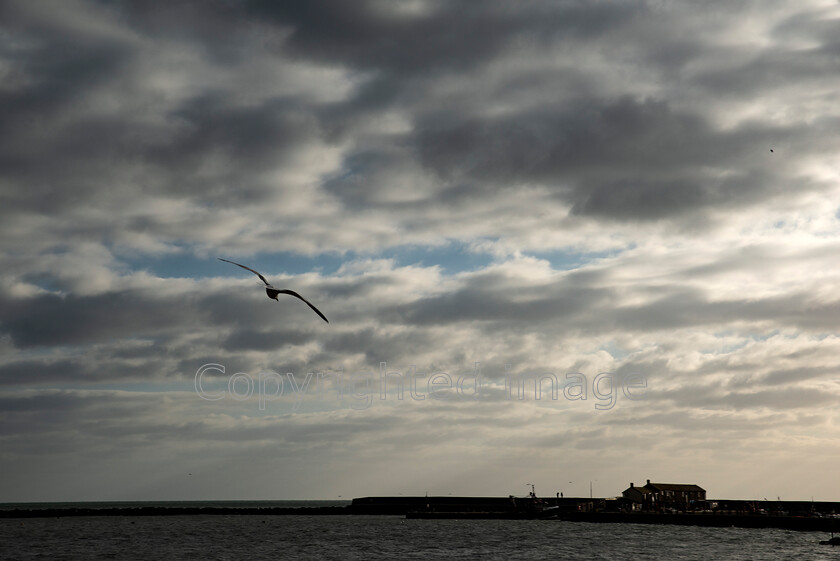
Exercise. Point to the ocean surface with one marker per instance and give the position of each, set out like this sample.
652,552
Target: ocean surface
389,537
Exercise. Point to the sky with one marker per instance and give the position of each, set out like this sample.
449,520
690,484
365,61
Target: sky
559,243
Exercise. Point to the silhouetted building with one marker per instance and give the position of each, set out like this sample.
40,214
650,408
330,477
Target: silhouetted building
641,497
657,496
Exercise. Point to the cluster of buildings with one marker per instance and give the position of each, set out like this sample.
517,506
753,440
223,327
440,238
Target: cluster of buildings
650,497
653,503
665,496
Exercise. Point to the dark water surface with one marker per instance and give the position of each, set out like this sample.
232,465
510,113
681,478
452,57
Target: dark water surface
389,537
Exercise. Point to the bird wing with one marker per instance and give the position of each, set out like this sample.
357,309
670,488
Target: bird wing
308,303
262,278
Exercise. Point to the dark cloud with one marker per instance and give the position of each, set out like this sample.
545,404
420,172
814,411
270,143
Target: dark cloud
765,73
54,320
503,306
624,158
53,65
596,308
580,135
31,373
253,138
793,375
250,339
447,37
53,71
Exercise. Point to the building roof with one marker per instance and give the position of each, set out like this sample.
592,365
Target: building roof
643,490
675,487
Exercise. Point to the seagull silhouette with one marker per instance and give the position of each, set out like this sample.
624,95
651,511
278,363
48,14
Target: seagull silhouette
274,292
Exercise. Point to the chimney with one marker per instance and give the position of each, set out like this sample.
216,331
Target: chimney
631,484
648,481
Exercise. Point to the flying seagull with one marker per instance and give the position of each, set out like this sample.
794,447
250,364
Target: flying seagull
274,292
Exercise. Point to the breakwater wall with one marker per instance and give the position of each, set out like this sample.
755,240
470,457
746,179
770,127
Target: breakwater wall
803,523
171,511
811,516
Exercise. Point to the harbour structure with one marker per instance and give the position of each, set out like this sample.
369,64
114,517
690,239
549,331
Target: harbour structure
662,496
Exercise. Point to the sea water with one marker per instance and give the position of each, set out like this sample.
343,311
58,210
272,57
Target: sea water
256,537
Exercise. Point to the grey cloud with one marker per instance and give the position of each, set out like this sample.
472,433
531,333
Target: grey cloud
719,422
452,36
597,308
86,367
258,136
31,373
53,75
715,397
358,287
471,304
685,308
766,72
788,398
371,177
218,29
53,65
89,156
793,375
250,339
605,157
401,57
578,136
379,345
623,158
53,320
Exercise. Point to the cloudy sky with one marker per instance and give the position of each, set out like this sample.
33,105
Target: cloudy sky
486,192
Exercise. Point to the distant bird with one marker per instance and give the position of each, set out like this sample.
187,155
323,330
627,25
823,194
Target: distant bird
274,292
771,150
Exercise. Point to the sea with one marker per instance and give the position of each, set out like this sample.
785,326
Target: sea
257,537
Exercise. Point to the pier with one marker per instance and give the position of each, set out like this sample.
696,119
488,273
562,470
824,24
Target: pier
791,515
